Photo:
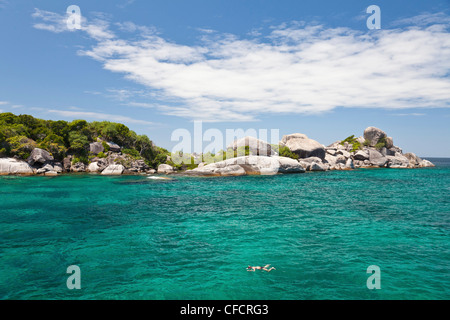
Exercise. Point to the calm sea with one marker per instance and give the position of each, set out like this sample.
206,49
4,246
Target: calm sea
192,238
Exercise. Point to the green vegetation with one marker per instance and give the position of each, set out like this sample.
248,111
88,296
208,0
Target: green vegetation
284,151
101,155
381,144
356,145
81,159
20,134
105,146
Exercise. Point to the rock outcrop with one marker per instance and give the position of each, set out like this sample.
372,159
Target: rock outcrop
114,147
39,156
256,146
249,165
93,167
78,167
165,168
375,149
374,135
113,170
96,147
13,166
304,147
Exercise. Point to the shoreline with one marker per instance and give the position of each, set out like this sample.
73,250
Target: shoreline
295,153
186,173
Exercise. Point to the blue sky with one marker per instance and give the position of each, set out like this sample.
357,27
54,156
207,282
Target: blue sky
298,66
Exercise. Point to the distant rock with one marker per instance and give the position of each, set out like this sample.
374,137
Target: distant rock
398,161
413,159
39,156
349,164
361,155
426,164
165,168
138,166
114,147
373,135
96,147
78,167
93,167
58,167
330,160
317,166
313,164
14,166
51,173
113,170
256,146
376,158
67,163
249,165
389,142
50,167
304,147
345,153
341,159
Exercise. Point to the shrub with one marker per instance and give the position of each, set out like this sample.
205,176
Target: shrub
132,152
20,146
105,146
101,155
284,151
356,145
381,144
82,159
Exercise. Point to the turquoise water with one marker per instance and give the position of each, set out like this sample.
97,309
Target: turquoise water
192,238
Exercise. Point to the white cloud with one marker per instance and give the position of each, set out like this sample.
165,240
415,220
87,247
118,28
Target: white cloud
99,116
297,68
425,19
125,4
415,114
3,103
98,29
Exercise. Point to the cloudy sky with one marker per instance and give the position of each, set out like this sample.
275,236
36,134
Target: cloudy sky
296,66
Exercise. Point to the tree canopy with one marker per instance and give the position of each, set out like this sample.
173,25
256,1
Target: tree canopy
20,134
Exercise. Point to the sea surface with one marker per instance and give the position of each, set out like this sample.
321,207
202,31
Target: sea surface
193,238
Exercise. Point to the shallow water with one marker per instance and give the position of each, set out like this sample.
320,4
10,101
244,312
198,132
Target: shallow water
192,238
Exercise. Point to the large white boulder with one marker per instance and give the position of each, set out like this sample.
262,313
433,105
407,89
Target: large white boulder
165,168
304,147
93,167
14,166
39,156
373,135
376,158
256,146
113,170
249,165
96,147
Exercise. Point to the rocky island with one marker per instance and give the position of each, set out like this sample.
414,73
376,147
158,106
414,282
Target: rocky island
372,150
30,146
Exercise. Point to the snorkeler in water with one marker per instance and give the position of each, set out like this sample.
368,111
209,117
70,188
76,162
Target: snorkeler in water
265,268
